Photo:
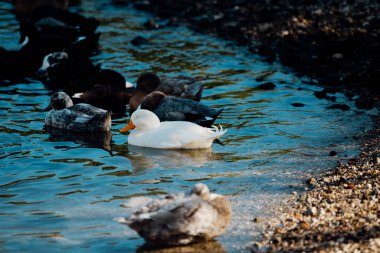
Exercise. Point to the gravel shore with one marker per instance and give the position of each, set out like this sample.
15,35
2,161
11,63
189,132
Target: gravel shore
340,213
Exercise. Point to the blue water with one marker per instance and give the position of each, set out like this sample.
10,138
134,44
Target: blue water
60,193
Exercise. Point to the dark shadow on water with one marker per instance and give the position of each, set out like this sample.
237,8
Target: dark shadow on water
205,247
100,140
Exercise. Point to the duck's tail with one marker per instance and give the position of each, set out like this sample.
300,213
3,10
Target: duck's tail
217,132
121,220
77,95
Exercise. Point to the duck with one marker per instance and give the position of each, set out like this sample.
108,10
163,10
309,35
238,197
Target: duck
60,71
68,71
35,10
111,92
52,31
179,86
64,114
170,108
179,219
40,39
148,131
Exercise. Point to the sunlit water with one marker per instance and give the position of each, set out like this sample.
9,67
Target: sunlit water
60,193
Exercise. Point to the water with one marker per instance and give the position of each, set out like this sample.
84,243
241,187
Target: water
62,192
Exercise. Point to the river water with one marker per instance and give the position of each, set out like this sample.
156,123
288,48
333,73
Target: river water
60,193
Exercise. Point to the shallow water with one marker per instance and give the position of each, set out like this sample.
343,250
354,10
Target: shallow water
63,191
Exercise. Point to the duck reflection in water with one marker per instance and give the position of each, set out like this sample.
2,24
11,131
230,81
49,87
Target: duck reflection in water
100,140
205,247
147,158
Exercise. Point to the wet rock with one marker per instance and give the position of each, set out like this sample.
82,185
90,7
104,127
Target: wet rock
151,24
265,51
337,56
323,95
342,107
256,220
333,153
139,40
364,103
298,105
311,181
266,86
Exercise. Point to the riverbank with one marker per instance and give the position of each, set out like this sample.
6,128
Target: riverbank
333,42
340,213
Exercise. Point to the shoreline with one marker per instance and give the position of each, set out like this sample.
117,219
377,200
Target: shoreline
339,213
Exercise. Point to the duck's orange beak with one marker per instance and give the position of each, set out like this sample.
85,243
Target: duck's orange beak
130,126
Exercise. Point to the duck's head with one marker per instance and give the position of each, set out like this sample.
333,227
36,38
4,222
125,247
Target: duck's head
201,190
142,120
152,100
59,100
50,61
147,82
112,78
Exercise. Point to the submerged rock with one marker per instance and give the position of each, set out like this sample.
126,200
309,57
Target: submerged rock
266,86
139,40
342,107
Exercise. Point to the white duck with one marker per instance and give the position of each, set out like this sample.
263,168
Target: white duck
150,132
180,219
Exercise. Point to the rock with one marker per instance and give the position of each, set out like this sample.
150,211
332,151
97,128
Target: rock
364,103
342,107
311,181
304,225
266,86
139,40
151,24
323,95
298,105
333,153
337,56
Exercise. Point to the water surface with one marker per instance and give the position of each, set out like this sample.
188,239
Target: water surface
63,191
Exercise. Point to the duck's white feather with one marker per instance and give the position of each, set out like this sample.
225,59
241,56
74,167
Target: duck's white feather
77,95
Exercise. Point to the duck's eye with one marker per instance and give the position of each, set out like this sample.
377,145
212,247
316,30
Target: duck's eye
50,59
59,56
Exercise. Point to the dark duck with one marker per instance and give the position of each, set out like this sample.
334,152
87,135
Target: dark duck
69,69
110,91
179,86
64,114
44,30
170,108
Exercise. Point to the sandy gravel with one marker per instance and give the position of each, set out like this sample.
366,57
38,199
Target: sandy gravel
340,213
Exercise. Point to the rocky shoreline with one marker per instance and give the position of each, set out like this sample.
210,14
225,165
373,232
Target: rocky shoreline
340,213
335,43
